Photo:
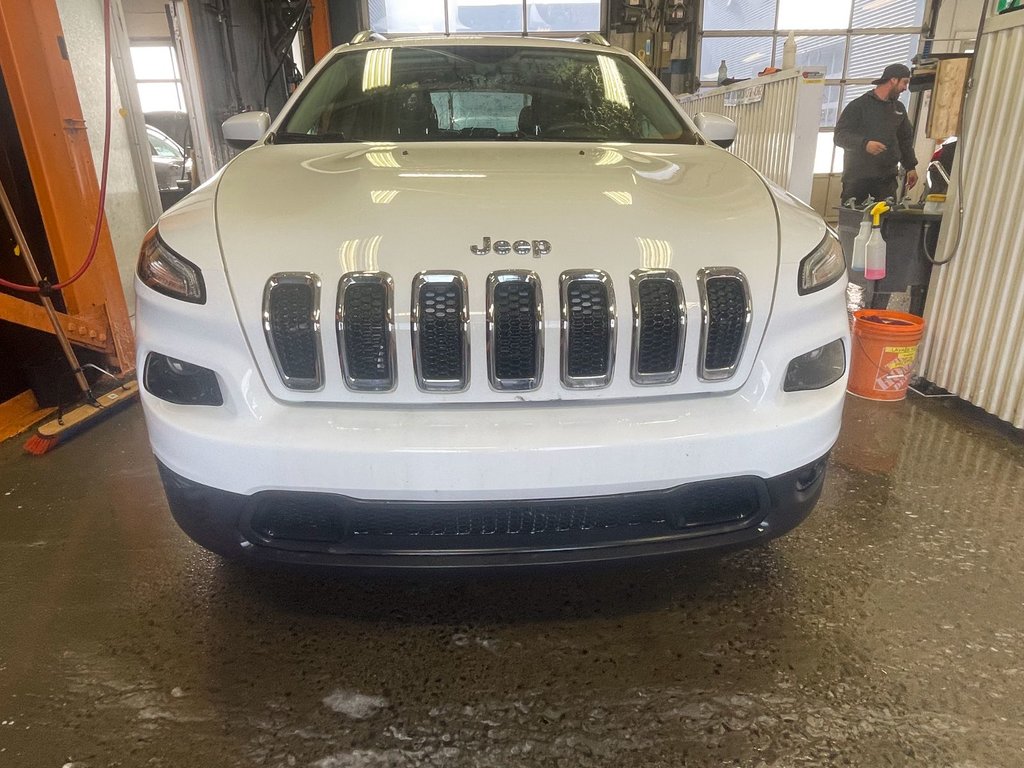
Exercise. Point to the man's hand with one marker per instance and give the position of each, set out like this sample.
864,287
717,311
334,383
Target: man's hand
875,147
911,179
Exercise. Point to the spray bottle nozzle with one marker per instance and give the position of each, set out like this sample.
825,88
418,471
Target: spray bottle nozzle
877,211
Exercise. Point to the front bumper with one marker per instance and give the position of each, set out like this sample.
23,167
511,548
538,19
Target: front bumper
319,529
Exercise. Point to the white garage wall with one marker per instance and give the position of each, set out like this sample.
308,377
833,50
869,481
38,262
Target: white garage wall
128,205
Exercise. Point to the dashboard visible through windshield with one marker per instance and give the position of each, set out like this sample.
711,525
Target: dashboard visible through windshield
477,92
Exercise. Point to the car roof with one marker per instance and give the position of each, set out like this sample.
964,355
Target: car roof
584,42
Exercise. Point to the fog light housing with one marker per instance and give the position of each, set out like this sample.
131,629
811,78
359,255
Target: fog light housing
817,368
177,381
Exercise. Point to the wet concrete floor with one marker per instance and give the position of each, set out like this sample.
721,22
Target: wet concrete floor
887,631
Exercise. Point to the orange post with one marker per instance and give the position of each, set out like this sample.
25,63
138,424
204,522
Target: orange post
320,29
45,103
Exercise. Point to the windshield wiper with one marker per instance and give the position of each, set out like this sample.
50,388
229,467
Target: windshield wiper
283,137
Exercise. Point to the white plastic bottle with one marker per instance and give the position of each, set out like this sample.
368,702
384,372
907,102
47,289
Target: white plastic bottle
860,243
874,252
723,72
789,52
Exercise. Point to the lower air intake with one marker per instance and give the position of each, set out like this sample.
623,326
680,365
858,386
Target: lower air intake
306,520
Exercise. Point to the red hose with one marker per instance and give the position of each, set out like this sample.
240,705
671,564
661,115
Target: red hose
103,175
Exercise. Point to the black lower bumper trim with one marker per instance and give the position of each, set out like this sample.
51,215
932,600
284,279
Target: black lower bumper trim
334,530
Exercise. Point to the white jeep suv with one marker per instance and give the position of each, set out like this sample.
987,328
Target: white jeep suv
488,302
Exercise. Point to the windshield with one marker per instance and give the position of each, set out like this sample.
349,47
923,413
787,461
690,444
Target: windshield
161,146
476,92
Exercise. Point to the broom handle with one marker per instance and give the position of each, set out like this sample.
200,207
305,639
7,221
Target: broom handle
33,270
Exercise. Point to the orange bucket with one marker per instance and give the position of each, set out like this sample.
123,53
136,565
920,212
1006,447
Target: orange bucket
884,348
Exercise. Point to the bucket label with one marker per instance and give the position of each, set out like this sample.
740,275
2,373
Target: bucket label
894,366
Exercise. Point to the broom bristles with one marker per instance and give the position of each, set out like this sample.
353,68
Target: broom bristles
37,445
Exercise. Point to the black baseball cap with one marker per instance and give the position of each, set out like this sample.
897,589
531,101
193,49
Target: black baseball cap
898,71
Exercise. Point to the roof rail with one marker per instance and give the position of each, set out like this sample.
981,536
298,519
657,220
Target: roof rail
592,37
367,35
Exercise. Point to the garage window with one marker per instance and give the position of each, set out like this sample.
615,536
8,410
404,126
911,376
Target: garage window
850,41
159,78
545,17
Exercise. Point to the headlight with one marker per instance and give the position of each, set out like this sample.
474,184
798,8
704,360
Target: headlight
823,267
816,369
168,273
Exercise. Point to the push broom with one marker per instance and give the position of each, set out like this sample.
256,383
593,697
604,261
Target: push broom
73,421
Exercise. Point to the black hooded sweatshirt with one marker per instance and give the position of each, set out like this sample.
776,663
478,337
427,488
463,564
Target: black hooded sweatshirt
868,118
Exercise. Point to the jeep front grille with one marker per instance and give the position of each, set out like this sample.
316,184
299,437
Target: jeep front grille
659,326
366,331
291,322
588,328
725,304
439,327
440,331
515,330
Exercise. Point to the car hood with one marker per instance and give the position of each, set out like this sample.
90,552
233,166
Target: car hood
421,206
407,208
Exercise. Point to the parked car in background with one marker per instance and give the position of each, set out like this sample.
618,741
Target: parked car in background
173,168
175,124
488,302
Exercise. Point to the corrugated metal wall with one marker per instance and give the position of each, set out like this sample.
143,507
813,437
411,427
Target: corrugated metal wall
776,134
974,346
766,127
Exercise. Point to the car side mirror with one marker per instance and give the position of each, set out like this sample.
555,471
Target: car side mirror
243,130
716,128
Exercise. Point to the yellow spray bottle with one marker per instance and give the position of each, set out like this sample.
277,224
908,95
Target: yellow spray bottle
874,252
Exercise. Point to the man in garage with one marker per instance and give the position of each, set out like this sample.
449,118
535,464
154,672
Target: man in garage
877,137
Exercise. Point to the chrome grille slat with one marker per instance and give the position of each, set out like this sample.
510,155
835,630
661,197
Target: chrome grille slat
291,323
659,326
726,311
588,328
366,331
440,331
515,330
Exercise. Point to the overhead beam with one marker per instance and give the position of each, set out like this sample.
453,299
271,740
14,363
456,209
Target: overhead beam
88,332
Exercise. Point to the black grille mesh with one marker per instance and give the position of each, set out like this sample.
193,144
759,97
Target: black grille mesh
292,329
727,309
441,332
322,518
367,339
589,329
515,330
658,346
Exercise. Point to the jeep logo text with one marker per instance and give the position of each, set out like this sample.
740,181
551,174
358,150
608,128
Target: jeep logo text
537,248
